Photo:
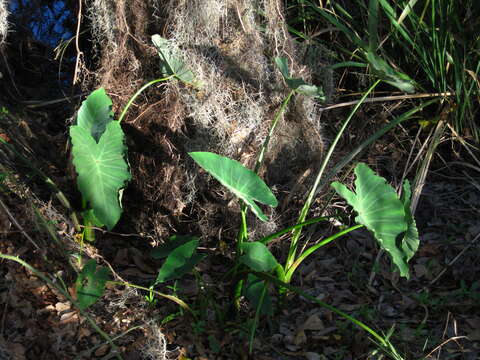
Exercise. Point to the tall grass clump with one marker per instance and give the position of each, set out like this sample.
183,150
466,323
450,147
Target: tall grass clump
436,41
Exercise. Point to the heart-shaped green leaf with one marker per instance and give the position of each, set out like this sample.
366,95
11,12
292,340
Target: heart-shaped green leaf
180,261
257,257
298,84
380,210
171,64
243,182
95,113
102,170
90,284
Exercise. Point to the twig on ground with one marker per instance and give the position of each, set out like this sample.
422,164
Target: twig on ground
387,98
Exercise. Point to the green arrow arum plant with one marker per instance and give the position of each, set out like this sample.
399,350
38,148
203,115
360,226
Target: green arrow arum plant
98,146
98,151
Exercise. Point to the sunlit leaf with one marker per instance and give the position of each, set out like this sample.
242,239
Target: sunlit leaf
243,182
102,170
381,211
95,113
90,284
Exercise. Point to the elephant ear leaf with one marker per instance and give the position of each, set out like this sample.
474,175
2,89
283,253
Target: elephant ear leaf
381,211
95,113
243,182
102,170
411,240
171,64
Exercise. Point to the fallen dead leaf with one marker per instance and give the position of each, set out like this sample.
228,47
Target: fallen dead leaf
102,350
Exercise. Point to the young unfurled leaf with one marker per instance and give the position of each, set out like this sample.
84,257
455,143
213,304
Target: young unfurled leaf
297,84
90,284
95,113
171,64
180,261
102,170
257,257
243,182
388,74
382,212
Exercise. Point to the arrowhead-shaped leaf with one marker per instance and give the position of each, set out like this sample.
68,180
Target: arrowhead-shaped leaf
243,182
171,64
95,113
102,170
298,84
180,261
257,257
380,210
90,284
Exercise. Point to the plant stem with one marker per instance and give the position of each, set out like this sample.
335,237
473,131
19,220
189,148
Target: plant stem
264,147
175,299
139,91
271,237
67,295
314,248
308,202
257,316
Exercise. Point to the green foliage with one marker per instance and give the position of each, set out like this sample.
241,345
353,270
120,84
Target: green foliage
257,257
387,73
90,284
98,156
181,260
173,242
298,84
253,291
171,63
95,113
243,182
102,170
383,213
